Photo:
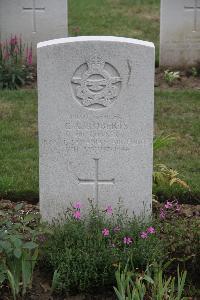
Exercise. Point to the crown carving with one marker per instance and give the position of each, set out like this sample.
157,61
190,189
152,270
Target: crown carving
96,63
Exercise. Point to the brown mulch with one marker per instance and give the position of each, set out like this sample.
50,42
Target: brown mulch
186,210
10,205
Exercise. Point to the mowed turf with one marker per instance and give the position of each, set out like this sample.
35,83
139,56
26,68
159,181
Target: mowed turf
176,113
139,19
18,145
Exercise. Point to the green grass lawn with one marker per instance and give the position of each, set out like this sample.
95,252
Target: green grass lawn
19,144
176,113
137,19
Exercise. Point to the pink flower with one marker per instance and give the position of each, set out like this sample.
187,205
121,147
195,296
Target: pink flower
77,205
151,230
144,235
16,50
127,240
105,232
6,55
77,215
169,204
109,209
29,57
116,229
13,41
162,214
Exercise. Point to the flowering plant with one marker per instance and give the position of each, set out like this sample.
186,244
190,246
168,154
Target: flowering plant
87,248
16,64
170,209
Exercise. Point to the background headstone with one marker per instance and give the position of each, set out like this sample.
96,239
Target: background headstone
34,20
95,123
180,33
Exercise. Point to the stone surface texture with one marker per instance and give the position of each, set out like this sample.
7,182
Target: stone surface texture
96,97
34,20
179,33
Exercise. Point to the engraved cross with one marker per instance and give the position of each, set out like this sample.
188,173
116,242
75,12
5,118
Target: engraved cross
96,181
195,7
33,9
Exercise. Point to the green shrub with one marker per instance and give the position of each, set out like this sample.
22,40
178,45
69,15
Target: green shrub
85,252
15,64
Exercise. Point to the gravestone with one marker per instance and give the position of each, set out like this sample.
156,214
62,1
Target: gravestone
34,20
180,33
95,123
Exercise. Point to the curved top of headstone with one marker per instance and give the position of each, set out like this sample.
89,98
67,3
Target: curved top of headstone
95,123
95,39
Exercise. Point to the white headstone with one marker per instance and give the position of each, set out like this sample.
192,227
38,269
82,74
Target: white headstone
96,98
34,20
180,33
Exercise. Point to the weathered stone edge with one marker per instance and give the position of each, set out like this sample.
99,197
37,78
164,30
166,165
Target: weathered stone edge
96,39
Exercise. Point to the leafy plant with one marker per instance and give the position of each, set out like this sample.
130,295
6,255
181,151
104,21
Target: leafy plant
164,287
2,275
162,141
152,283
15,63
55,281
163,174
194,72
171,76
87,250
18,249
129,287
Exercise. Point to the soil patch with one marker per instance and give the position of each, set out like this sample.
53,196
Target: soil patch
186,81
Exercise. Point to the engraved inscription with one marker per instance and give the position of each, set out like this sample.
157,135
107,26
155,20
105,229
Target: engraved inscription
33,9
194,7
96,83
106,133
96,181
